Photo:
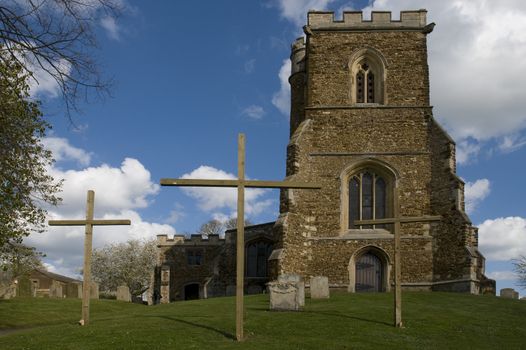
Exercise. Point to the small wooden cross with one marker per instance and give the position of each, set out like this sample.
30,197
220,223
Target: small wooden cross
89,222
240,183
397,220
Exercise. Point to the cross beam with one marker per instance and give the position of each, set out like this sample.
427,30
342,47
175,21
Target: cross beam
240,183
397,220
89,222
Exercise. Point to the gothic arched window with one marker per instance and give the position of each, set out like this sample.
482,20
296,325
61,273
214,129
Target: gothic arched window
367,198
257,254
368,73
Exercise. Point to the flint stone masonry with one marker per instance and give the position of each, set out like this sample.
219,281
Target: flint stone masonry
123,293
319,287
284,296
509,293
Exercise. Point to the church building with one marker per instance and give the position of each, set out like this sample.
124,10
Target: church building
361,126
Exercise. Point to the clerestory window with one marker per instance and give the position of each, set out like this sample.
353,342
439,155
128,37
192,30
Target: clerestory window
367,198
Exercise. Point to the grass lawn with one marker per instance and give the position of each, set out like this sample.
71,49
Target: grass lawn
345,321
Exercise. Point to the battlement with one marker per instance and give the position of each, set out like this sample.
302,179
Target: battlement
353,20
163,240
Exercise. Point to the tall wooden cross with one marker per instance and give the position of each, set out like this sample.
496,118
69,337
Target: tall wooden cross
241,183
397,220
89,222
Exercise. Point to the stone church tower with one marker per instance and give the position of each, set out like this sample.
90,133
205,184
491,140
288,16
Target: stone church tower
361,124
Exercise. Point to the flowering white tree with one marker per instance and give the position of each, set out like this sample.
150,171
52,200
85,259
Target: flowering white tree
520,269
129,264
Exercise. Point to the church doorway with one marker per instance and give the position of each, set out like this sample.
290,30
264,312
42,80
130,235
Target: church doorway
369,271
191,291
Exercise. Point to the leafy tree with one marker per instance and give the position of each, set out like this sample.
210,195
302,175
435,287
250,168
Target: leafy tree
216,227
21,260
24,182
212,227
55,36
130,264
520,269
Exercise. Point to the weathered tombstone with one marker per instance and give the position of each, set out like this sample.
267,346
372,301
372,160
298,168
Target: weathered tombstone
509,293
55,290
123,293
284,296
319,287
94,290
300,284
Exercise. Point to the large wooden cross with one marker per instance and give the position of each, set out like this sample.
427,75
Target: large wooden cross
89,222
397,220
240,183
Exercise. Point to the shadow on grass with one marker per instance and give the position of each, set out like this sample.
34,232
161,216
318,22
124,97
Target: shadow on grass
325,314
210,328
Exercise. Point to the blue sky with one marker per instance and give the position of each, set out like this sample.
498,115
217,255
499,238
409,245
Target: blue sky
189,76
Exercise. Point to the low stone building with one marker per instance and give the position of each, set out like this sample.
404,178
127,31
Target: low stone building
42,283
206,267
361,126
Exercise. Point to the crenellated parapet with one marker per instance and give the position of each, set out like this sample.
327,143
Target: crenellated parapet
196,239
353,20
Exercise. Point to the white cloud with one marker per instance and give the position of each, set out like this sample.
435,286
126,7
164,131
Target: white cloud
118,192
502,275
42,83
475,57
503,239
475,192
250,65
281,99
214,199
110,25
253,112
513,142
296,10
126,187
467,151
62,150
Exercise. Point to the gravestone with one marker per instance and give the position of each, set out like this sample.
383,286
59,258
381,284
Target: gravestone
254,289
55,290
300,284
284,296
319,287
123,293
509,293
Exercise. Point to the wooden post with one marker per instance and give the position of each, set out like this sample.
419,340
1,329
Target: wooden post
240,183
240,239
86,274
397,220
89,222
397,267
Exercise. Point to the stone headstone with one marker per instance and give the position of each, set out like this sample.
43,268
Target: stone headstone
298,280
123,293
55,290
284,296
319,287
509,293
94,290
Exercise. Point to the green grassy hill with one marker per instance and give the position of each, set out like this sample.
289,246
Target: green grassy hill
346,321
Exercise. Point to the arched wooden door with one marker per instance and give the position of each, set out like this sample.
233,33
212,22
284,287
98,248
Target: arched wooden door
369,273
